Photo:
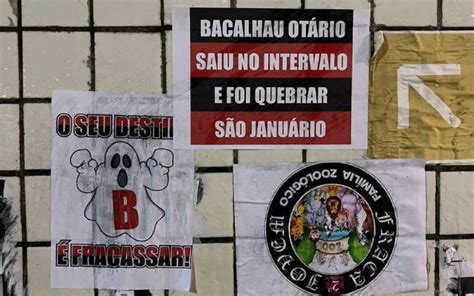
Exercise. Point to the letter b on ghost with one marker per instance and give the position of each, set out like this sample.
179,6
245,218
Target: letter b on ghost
125,214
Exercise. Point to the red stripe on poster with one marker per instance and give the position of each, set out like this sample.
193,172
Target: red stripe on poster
271,60
280,128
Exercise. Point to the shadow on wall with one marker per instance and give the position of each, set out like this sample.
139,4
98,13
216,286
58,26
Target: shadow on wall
10,277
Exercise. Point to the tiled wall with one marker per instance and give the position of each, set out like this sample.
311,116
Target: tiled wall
125,46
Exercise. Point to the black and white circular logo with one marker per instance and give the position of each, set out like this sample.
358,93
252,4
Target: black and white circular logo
331,228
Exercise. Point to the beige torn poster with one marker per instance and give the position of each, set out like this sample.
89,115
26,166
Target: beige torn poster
422,96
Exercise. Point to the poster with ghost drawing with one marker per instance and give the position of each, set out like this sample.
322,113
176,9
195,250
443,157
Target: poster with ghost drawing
121,196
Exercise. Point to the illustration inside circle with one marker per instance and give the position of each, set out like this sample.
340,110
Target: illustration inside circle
332,229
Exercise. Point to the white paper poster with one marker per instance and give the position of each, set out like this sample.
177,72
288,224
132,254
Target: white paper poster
331,228
270,78
122,196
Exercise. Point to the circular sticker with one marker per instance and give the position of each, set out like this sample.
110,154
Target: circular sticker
331,228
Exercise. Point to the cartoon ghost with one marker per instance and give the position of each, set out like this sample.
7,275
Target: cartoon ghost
121,185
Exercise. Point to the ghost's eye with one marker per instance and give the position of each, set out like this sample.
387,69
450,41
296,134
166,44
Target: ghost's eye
115,161
127,162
